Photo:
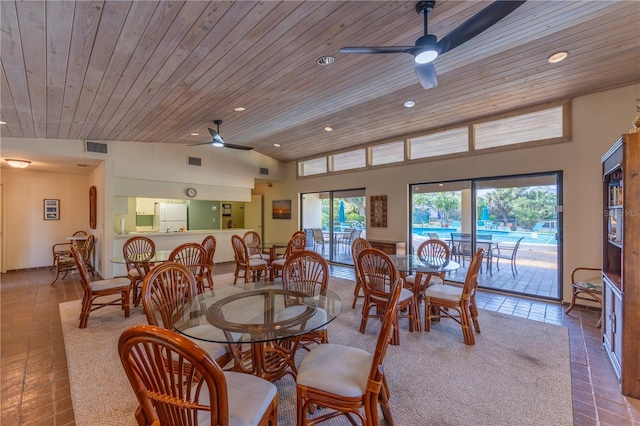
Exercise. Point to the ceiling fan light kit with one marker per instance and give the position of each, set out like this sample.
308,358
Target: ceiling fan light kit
427,48
218,142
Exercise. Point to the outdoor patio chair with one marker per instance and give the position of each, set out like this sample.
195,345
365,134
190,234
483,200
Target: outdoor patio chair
511,252
318,238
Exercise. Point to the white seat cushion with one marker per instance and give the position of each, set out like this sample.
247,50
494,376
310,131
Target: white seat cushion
319,317
446,292
411,279
214,349
341,370
279,262
109,284
133,273
249,398
259,256
257,262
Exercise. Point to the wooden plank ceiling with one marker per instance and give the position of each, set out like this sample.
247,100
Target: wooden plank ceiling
151,71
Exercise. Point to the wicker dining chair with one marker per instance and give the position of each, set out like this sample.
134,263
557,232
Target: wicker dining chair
348,381
194,257
247,268
209,243
203,394
136,252
358,245
64,249
430,250
95,291
378,276
306,272
441,300
168,291
297,242
254,244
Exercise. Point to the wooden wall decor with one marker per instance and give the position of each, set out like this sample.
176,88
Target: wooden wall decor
378,211
92,207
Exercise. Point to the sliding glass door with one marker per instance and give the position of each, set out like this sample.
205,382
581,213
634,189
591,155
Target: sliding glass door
333,219
514,219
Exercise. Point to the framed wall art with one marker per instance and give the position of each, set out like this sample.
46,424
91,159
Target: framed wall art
51,209
92,207
226,210
281,209
378,211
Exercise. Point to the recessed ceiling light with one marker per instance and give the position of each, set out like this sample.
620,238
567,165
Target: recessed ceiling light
239,109
328,128
277,145
409,104
195,134
557,57
325,60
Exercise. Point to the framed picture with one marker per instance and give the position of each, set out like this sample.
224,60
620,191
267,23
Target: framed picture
378,211
51,209
226,210
281,209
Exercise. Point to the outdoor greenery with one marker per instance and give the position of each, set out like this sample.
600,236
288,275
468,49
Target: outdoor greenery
522,207
354,210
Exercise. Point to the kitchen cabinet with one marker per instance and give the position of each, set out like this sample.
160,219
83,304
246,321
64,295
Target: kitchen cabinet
145,206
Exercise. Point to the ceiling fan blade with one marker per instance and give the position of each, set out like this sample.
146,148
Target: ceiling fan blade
242,147
426,74
377,49
199,143
481,21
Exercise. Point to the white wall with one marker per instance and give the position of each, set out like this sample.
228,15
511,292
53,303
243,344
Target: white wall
598,121
29,238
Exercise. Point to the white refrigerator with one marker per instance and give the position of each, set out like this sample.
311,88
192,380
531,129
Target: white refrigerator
170,217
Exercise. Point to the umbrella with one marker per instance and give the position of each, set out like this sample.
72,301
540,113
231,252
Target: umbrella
484,215
341,216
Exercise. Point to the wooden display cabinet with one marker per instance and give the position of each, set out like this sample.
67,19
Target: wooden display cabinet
621,260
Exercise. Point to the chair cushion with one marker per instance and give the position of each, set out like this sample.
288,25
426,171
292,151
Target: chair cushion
133,273
594,287
249,399
411,279
109,284
446,292
337,369
259,256
279,262
405,294
319,317
256,262
214,349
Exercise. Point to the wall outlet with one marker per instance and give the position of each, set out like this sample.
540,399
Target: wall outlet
214,220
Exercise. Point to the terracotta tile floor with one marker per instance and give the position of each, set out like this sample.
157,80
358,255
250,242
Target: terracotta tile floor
34,387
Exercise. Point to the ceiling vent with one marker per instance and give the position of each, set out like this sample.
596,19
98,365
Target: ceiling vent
195,161
95,147
264,171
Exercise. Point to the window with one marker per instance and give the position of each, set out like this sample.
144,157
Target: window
442,143
315,166
349,160
387,153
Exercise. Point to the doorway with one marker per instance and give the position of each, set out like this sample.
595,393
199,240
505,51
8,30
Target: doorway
516,220
332,220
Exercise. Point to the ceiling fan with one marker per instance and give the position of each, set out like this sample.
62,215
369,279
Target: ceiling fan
218,142
428,47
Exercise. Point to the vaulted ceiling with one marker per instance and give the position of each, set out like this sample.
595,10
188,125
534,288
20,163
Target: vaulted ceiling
157,71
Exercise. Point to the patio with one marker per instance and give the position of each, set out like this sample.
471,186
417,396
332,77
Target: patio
536,265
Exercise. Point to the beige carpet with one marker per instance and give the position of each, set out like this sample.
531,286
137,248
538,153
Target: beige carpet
518,372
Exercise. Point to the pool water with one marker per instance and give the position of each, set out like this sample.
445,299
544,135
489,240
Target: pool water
506,236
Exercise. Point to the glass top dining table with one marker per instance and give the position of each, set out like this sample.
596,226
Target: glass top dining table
262,316
410,263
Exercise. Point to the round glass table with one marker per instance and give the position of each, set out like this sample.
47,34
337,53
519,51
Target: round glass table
262,323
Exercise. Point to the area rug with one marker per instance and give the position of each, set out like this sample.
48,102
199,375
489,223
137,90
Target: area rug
517,373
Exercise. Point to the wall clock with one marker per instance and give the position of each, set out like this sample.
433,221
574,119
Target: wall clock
191,192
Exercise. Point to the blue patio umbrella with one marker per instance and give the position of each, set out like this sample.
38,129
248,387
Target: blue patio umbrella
341,216
484,215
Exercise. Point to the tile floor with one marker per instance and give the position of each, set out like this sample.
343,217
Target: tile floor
34,387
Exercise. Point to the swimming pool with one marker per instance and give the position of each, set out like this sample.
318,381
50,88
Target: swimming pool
506,236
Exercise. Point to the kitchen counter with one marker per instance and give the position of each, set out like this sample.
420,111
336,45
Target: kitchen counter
171,240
